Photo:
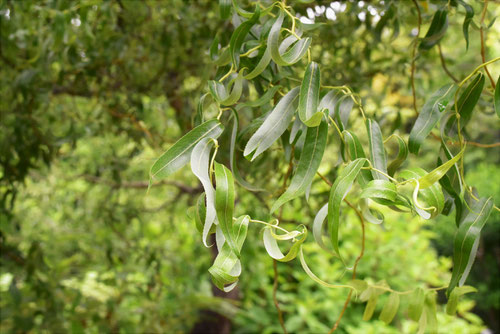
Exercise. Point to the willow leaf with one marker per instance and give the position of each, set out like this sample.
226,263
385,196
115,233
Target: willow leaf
377,151
429,115
430,310
179,154
227,267
400,158
239,35
468,99
380,190
497,97
356,151
268,95
221,94
309,96
339,190
261,65
318,223
291,56
370,306
225,9
469,14
310,159
417,300
272,246
200,160
274,125
390,308
467,241
451,306
436,30
435,175
224,203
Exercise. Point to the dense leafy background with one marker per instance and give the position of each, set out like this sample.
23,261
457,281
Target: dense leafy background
92,92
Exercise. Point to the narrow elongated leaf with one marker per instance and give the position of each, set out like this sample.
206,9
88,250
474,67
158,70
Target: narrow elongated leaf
343,109
239,35
339,190
356,151
451,306
435,175
400,158
200,160
377,151
272,246
436,30
429,115
309,96
329,102
274,125
268,95
294,54
227,267
370,306
225,9
467,241
380,190
224,203
468,99
390,308
232,157
310,159
497,97
417,300
318,226
200,213
221,93
261,65
430,310
179,154
469,14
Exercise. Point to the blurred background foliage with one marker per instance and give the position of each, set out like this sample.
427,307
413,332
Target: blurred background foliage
91,92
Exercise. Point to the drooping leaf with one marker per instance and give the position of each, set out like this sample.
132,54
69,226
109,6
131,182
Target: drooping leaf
436,30
261,65
382,191
272,246
200,161
221,94
390,308
239,35
225,9
224,203
274,125
417,300
377,152
318,223
179,154
310,159
429,115
309,96
356,151
294,53
400,158
430,310
469,14
451,306
371,304
227,267
467,240
268,95
339,190
435,175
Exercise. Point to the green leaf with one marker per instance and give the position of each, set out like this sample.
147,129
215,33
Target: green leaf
200,160
429,115
436,30
222,95
232,156
451,306
272,246
318,223
469,14
468,99
261,65
356,151
390,308
339,190
179,154
416,306
274,125
467,240
268,95
293,54
430,310
239,35
377,151
310,159
309,96
200,213
227,267
380,190
430,178
370,306
400,158
225,9
497,97
224,203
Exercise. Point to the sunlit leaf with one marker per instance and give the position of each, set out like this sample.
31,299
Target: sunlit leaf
451,306
436,30
390,308
377,152
436,174
272,246
224,203
309,96
416,306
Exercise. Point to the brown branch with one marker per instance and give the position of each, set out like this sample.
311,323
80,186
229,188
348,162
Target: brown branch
443,63
413,60
483,49
276,304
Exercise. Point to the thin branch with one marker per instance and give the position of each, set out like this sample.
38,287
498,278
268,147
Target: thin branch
413,60
443,63
483,49
276,304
